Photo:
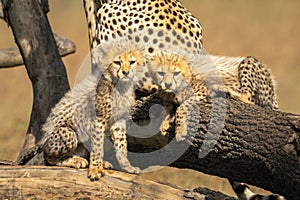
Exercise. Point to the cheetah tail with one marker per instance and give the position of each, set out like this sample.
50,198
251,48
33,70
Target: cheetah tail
28,154
244,193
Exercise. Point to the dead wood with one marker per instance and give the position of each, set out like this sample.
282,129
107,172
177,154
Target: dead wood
256,145
18,182
11,57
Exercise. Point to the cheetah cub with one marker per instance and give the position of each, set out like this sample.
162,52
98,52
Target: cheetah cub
244,78
94,108
185,84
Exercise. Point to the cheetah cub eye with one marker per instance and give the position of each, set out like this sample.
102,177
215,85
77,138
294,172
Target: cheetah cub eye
161,73
132,62
176,73
117,63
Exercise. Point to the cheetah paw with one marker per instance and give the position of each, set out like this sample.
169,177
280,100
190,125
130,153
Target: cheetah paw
95,172
107,165
165,125
75,162
245,98
132,170
181,132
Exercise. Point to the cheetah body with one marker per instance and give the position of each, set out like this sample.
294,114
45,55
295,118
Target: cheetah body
126,17
185,84
96,107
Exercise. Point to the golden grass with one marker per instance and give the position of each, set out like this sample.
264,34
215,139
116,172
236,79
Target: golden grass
267,29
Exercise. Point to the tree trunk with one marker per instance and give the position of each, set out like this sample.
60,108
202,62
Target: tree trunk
44,66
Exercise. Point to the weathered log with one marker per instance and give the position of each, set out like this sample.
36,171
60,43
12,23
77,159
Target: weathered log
44,66
256,145
19,182
11,57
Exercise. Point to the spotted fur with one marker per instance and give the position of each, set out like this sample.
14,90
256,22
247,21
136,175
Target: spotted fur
165,23
99,105
244,78
127,16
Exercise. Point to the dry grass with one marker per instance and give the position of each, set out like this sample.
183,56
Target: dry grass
267,29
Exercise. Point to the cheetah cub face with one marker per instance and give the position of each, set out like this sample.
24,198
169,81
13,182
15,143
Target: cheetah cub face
123,66
171,72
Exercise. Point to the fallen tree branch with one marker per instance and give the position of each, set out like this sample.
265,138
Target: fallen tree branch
66,183
257,146
11,57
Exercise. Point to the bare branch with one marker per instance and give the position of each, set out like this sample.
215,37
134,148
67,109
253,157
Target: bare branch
11,57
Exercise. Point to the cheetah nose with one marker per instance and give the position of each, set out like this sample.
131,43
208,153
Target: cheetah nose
168,85
125,73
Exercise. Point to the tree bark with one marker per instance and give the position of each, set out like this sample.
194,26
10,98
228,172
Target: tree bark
11,57
256,145
66,183
44,66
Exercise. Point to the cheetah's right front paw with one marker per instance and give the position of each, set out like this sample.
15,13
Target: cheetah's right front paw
181,131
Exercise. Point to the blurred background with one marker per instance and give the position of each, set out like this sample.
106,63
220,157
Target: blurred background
266,29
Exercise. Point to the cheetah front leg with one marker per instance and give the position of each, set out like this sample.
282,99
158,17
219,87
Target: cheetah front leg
187,119
118,130
165,125
96,166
